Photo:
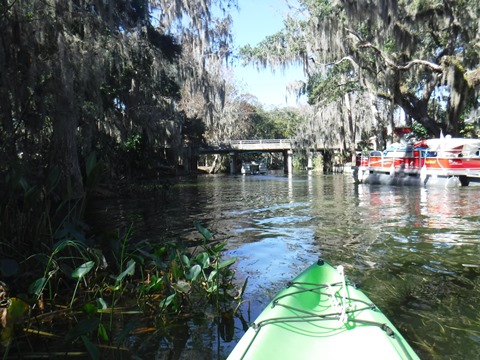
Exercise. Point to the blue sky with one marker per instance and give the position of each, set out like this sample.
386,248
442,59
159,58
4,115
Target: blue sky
255,20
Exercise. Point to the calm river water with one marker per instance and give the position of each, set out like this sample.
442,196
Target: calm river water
414,251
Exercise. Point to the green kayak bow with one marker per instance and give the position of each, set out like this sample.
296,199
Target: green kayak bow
322,315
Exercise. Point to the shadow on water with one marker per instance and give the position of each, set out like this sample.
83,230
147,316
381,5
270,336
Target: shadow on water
415,251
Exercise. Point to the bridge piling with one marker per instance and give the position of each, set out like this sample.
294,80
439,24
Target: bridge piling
234,147
233,163
288,162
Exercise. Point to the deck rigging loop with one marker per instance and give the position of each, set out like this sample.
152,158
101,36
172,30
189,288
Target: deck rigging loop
341,305
317,311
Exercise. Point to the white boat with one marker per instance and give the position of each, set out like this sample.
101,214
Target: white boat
254,167
262,167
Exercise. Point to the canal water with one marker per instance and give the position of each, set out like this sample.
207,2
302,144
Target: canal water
414,251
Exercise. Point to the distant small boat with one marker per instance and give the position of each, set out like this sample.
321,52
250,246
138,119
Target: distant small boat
262,167
254,167
321,315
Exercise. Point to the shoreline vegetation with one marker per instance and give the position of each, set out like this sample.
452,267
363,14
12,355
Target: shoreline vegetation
69,292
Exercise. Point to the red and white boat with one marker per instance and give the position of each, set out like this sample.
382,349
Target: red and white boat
446,161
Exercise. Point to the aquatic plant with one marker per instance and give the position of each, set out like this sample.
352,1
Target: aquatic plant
74,293
89,291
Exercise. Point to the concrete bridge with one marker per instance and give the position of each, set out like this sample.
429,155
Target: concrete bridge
234,147
267,145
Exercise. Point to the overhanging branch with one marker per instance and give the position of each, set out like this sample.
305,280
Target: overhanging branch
389,62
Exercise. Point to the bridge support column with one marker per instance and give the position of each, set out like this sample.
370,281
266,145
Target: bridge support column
288,162
233,163
310,160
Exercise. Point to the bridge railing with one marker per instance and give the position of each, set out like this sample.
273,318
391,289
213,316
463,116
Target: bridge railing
259,141
249,145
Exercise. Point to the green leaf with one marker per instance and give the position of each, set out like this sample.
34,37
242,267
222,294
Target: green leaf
91,348
89,309
102,332
205,232
243,288
193,273
37,286
17,310
101,304
130,270
185,260
203,259
212,288
167,301
212,275
83,270
219,248
227,262
182,286
155,283
83,327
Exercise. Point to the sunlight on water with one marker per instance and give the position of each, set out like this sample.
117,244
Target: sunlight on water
415,251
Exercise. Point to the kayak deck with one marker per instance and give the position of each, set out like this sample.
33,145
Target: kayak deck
321,314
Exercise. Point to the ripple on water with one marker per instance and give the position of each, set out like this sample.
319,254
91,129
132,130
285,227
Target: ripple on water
415,250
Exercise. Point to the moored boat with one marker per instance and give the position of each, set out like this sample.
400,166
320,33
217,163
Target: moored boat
253,167
322,315
447,161
248,168
262,167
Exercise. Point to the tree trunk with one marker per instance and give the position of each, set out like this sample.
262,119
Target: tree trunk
65,123
214,164
417,110
6,121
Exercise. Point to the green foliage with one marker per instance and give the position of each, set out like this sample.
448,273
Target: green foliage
390,45
193,131
338,81
13,315
133,142
127,73
161,280
278,123
419,130
469,130
165,42
408,52
189,280
320,8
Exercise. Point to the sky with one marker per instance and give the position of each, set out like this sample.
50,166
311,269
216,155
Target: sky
255,20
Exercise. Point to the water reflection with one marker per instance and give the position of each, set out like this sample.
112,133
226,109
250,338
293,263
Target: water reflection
416,251
428,240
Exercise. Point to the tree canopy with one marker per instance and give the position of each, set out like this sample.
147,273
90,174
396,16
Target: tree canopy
421,56
116,77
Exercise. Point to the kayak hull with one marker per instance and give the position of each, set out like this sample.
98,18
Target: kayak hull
320,314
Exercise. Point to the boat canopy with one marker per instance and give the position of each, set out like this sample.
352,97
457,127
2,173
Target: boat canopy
466,147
